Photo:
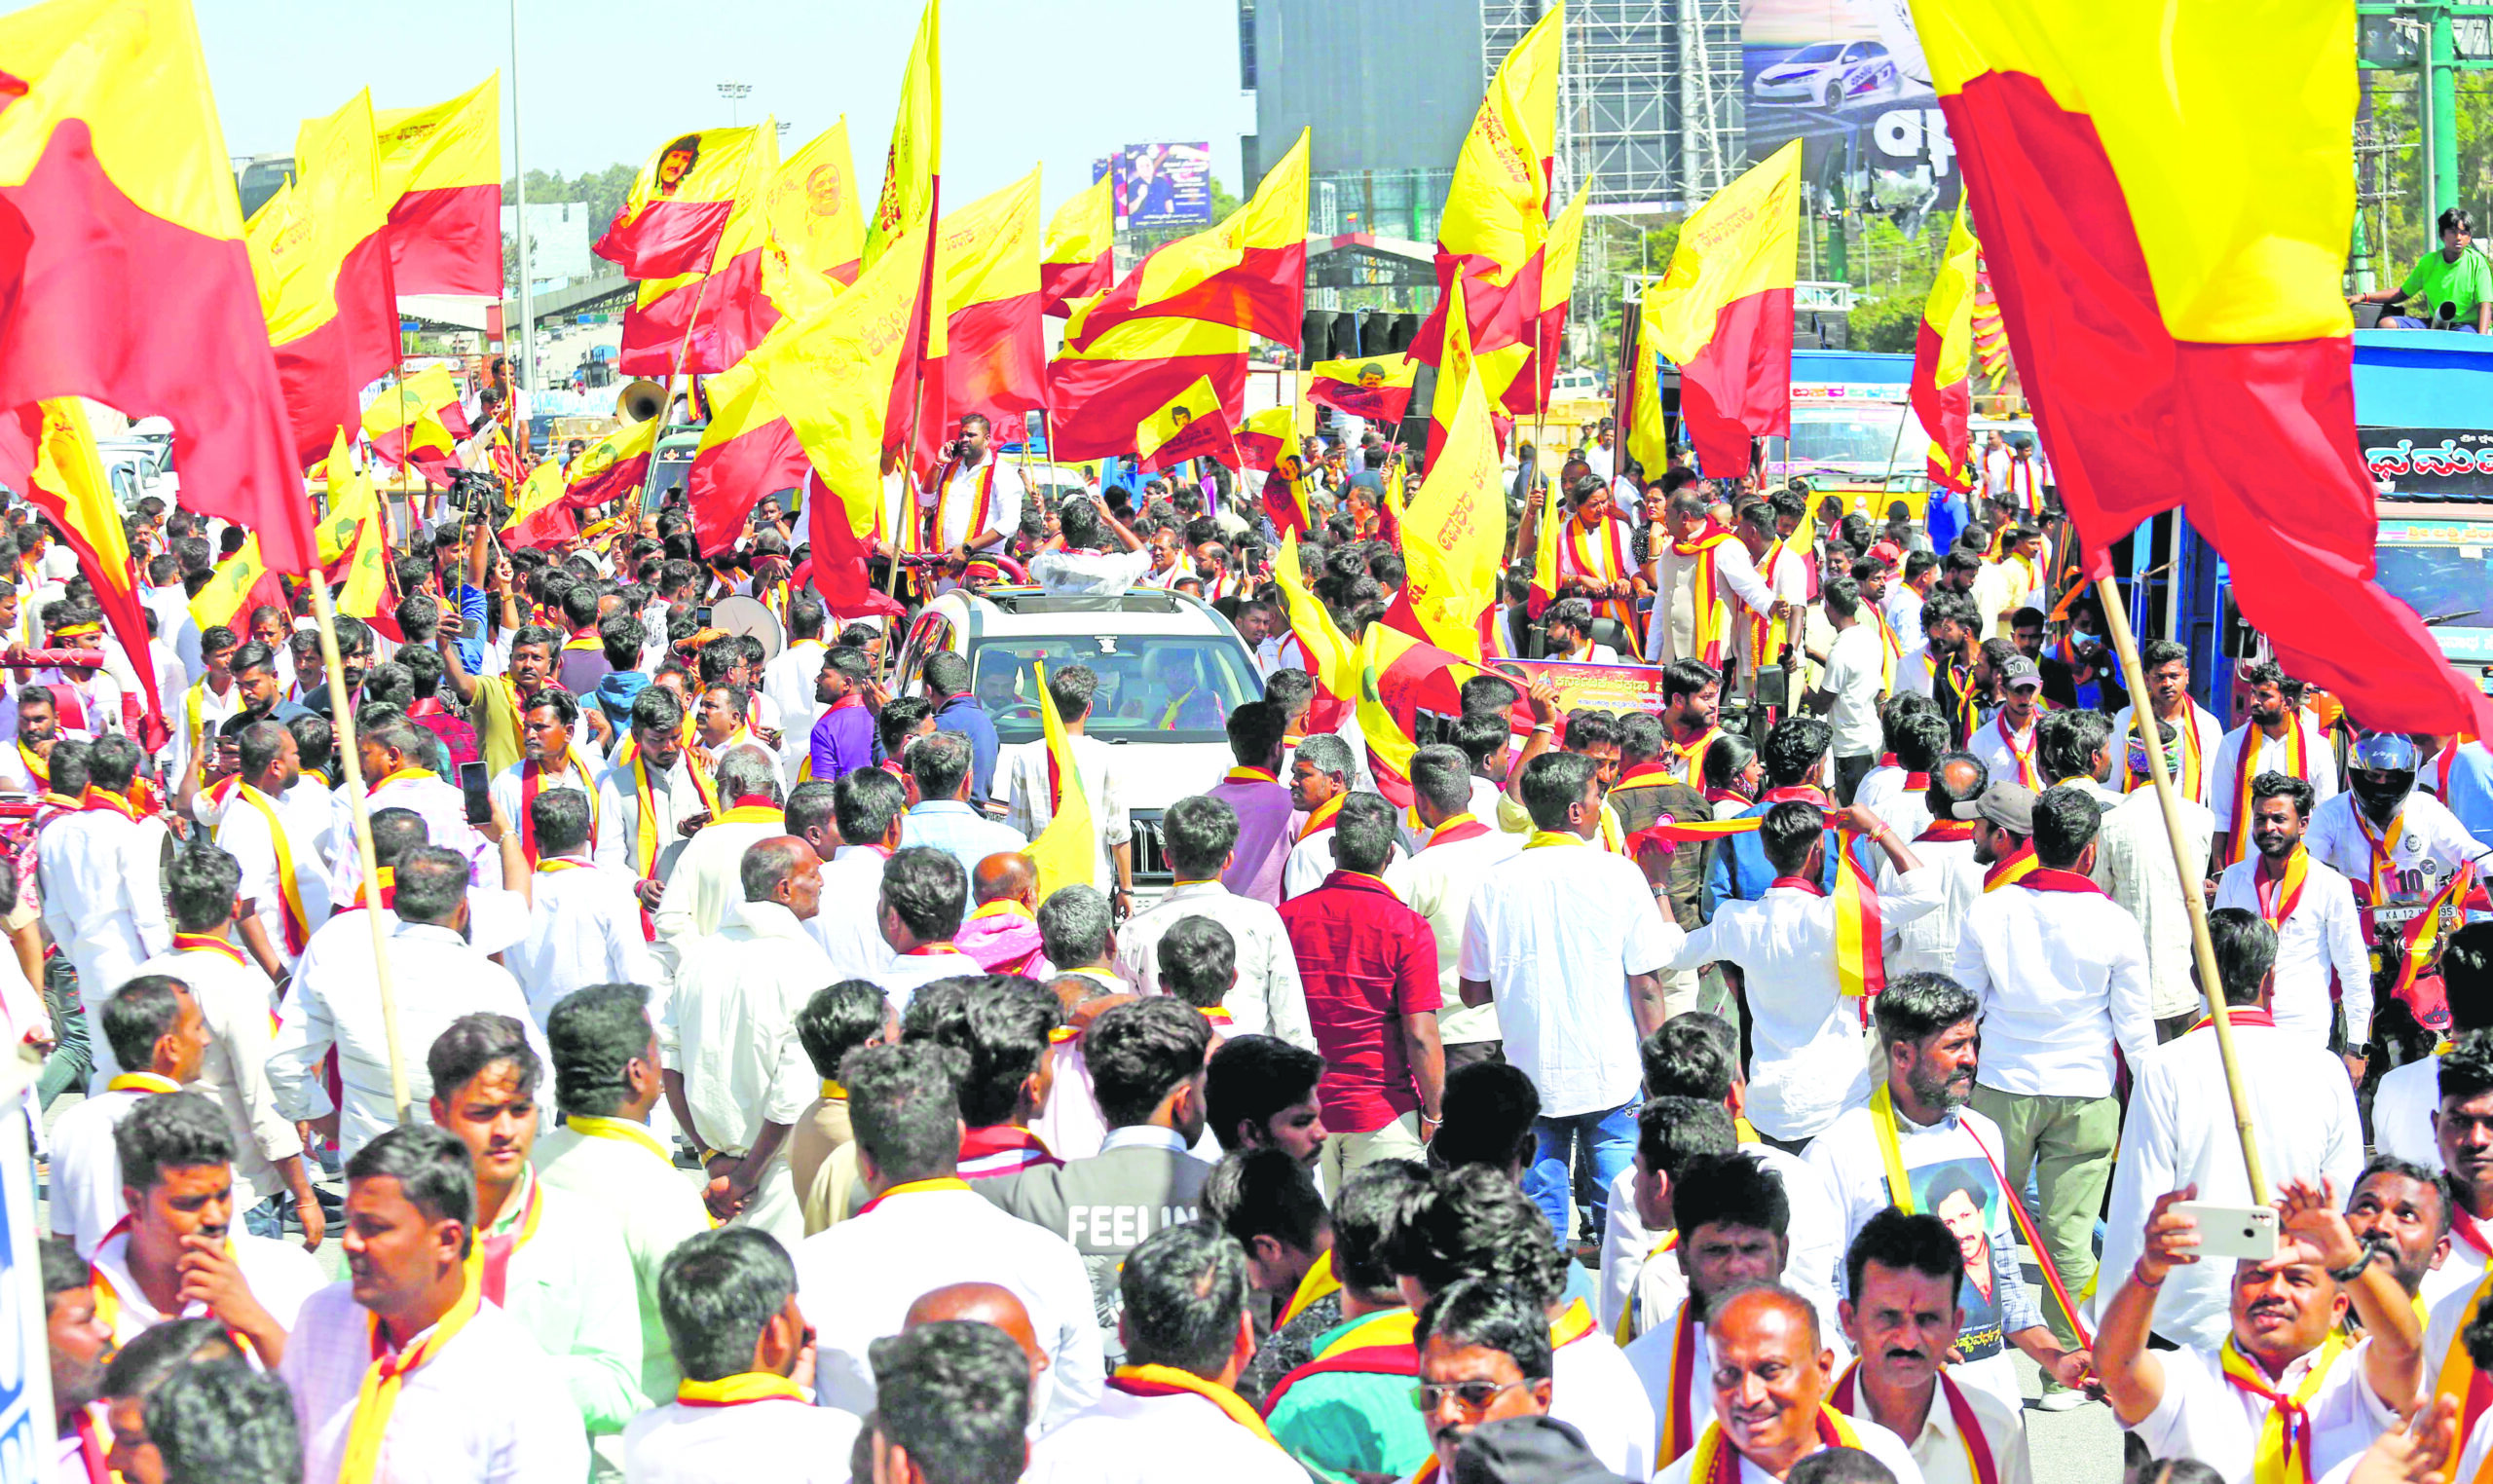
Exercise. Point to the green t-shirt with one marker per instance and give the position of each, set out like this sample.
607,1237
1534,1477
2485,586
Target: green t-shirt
2435,280
1351,1419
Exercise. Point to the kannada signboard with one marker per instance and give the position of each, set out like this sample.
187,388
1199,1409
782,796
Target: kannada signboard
1604,688
2428,463
1849,80
1166,185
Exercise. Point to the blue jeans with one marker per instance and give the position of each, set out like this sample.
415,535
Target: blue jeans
1582,1151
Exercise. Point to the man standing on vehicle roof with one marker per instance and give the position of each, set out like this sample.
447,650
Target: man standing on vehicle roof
974,501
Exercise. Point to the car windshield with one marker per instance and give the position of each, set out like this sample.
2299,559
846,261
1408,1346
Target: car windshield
2443,570
1169,689
1824,51
1862,440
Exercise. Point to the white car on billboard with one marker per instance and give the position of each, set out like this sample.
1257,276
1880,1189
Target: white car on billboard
1830,74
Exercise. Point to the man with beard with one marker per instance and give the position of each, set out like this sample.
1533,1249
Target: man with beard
2407,1096
2180,1125
2283,1377
80,1342
2402,1212
2321,953
1916,1145
646,791
1768,1382
2280,738
1906,1280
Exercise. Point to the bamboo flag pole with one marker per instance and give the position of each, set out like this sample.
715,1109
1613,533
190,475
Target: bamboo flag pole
342,723
2116,619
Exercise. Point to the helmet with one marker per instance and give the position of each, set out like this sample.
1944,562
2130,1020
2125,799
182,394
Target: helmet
2383,772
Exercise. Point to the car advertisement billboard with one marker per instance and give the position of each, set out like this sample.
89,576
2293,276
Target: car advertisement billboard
1166,185
1849,80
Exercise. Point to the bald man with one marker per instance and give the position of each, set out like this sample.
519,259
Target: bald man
1002,932
988,1304
1770,1378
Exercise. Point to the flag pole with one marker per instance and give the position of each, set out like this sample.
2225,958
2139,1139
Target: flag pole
342,723
2132,676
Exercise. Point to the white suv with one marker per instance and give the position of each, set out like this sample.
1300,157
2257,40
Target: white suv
1171,670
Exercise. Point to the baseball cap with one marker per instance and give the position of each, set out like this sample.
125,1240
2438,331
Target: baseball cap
2019,672
2009,806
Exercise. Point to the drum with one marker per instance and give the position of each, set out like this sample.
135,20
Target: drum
740,614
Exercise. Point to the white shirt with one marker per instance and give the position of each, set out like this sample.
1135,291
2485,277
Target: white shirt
487,1408
1902,609
1927,944
2431,844
2211,737
730,1027
958,500
1268,997
445,814
236,1000
778,1439
1951,1165
1735,578
1596,1391
86,1167
281,1276
1906,811
2061,978
1311,861
2180,1130
335,1000
1029,808
242,832
921,1240
96,906
1877,1442
2403,1103
580,779
1857,675
707,884
1628,1274
2320,765
583,928
1556,936
907,972
844,926
1997,744
619,811
2133,864
2323,934
1440,885
788,684
1805,1061
644,1198
1183,1439
1106,573
2204,1416
1939,1452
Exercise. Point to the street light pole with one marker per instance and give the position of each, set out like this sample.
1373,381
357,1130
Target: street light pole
527,369
734,92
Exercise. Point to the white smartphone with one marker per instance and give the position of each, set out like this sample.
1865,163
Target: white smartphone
2233,1231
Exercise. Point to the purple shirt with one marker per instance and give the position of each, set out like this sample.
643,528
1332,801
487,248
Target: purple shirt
842,740
1263,838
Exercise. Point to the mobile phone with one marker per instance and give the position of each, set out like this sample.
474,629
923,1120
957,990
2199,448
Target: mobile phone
2233,1231
701,615
473,628
471,786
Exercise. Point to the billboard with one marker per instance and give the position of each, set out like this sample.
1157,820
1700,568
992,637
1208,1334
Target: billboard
1165,185
1849,80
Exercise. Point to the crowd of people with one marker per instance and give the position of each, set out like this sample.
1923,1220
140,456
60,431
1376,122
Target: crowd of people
1655,1095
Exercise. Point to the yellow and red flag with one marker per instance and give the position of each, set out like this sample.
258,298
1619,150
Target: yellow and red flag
536,514
1249,272
612,466
441,171
1191,425
1457,363
747,451
1496,208
1385,678
986,350
1555,275
671,223
1454,534
1723,312
816,227
241,583
124,276
320,254
1943,357
2177,295
416,423
1067,850
1647,434
907,210
1103,388
1079,258
830,375
1266,435
709,317
352,531
1377,388
71,487
1991,335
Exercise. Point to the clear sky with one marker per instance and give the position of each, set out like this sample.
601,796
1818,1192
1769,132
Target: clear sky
1058,81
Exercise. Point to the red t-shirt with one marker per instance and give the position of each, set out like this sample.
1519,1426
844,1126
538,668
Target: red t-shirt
1367,960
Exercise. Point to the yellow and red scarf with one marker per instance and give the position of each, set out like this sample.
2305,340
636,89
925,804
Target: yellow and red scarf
2028,773
2283,1454
1969,1428
2189,783
1692,756
1169,1381
294,919
378,1397
930,531
1716,1462
2279,898
1320,1280
489,1256
2011,869
1320,817
532,781
737,1391
1708,628
915,1187
2246,770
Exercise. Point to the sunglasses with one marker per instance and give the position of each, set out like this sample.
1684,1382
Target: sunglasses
1473,1396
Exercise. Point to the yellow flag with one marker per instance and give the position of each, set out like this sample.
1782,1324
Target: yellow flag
1649,433
1744,241
1456,529
352,499
1496,206
831,374
1067,851
915,160
230,586
817,225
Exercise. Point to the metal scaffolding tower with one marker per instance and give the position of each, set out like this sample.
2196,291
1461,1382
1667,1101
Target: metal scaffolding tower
1649,94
